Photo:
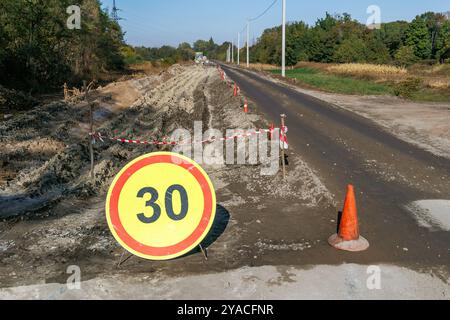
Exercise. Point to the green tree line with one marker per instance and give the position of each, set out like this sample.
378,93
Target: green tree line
170,55
341,39
334,38
39,52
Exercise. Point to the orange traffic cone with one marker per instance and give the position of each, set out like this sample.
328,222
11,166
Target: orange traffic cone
246,106
348,238
235,90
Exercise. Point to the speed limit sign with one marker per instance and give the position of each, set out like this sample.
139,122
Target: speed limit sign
161,206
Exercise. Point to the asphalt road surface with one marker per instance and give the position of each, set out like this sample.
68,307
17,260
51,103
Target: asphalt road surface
387,172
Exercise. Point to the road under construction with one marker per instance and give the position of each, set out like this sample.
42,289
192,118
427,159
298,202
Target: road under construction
270,236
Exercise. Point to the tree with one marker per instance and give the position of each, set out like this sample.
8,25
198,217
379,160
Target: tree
291,56
3,43
268,48
351,50
418,37
130,55
393,35
443,41
186,52
434,22
40,52
339,38
296,43
184,46
211,46
327,23
405,56
323,39
377,51
201,46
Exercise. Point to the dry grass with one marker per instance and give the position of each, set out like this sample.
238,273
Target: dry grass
369,71
315,65
437,70
434,77
261,66
438,83
441,69
146,68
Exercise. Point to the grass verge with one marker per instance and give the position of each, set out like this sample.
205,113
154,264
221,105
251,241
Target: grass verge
336,84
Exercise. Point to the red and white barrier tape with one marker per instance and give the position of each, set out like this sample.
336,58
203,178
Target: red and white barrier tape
231,84
284,144
98,136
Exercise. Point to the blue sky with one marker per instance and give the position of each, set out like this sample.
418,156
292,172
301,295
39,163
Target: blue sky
160,22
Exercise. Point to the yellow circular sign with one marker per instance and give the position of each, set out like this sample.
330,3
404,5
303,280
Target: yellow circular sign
161,206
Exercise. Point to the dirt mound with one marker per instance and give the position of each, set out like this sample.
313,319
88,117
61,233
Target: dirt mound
13,100
47,158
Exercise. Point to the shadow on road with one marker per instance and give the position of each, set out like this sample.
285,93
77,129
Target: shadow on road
218,228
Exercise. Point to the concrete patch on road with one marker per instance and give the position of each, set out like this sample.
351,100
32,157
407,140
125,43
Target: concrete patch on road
349,281
432,214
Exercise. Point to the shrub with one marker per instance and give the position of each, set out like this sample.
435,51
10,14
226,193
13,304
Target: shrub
408,87
133,60
15,100
351,50
405,56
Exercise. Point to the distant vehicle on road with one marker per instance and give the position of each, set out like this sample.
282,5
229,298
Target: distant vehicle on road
200,58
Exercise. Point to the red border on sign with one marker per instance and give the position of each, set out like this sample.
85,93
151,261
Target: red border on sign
160,251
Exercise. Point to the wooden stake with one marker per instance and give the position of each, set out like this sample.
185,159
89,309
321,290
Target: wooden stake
91,125
283,155
205,253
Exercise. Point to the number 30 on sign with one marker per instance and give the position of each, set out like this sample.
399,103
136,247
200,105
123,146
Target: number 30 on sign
161,206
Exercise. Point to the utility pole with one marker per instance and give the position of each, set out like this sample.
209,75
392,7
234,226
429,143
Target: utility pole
239,49
228,54
283,144
232,51
248,43
283,45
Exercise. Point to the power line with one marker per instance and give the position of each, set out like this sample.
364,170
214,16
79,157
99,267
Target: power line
265,11
146,26
248,29
136,17
144,22
283,42
260,16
